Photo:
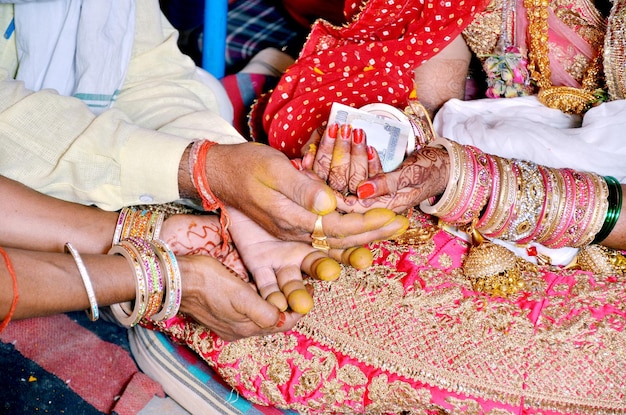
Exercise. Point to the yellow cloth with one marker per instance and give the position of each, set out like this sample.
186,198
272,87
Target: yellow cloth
128,155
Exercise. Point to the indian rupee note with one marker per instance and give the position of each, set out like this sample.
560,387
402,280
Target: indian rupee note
388,136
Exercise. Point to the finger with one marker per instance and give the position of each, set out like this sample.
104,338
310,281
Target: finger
267,285
374,165
320,266
309,150
260,312
359,257
324,155
308,192
356,229
340,164
380,185
297,164
291,284
358,160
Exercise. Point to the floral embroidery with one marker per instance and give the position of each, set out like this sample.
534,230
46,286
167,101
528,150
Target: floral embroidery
409,335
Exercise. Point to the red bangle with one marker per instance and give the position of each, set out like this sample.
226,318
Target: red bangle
197,168
16,295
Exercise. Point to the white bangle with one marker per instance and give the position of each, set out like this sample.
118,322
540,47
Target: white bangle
92,312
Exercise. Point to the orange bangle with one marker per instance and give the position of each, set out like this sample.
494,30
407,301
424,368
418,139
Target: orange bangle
16,295
197,168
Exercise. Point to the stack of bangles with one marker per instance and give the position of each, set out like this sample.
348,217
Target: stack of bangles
523,202
158,280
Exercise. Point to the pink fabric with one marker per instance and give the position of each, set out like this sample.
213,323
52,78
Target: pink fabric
564,40
555,348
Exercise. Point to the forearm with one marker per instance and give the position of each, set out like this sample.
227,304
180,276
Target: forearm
442,77
524,202
35,221
49,283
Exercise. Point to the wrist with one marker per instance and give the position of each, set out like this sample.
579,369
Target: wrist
191,284
186,189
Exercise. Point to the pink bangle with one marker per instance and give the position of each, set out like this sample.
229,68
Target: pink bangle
482,189
556,204
493,197
585,215
172,281
509,208
598,209
565,217
152,273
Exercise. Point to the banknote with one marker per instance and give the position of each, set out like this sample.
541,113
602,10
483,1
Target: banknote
388,136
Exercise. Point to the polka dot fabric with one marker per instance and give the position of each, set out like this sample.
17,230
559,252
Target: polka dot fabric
372,59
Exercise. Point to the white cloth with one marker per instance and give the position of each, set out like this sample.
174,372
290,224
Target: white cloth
79,48
523,128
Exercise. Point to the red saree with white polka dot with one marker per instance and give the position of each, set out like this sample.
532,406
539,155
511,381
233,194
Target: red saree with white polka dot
371,59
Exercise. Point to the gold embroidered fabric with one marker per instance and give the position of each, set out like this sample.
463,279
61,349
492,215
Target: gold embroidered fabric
615,51
581,16
410,336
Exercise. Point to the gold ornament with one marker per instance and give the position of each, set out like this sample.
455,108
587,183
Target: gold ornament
601,260
615,51
493,269
567,99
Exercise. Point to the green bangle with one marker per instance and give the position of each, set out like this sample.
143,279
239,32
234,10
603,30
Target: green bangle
613,211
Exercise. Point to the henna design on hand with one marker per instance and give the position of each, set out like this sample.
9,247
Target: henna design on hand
204,237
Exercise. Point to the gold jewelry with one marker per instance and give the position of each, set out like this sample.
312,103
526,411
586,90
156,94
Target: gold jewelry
601,260
319,238
493,269
614,51
567,99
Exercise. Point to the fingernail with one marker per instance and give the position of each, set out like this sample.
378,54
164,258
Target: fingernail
281,320
365,190
370,153
332,130
345,131
323,203
358,135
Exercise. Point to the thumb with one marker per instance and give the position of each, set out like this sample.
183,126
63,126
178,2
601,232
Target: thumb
379,185
308,192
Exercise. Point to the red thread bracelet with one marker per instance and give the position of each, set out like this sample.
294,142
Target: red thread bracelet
16,295
197,167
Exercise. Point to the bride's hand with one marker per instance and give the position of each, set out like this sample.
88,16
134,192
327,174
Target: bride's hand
340,155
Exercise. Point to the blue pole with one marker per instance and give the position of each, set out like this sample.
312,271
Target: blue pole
214,37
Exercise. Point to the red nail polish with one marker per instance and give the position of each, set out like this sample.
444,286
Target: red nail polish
365,190
358,135
345,131
281,320
370,153
332,130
